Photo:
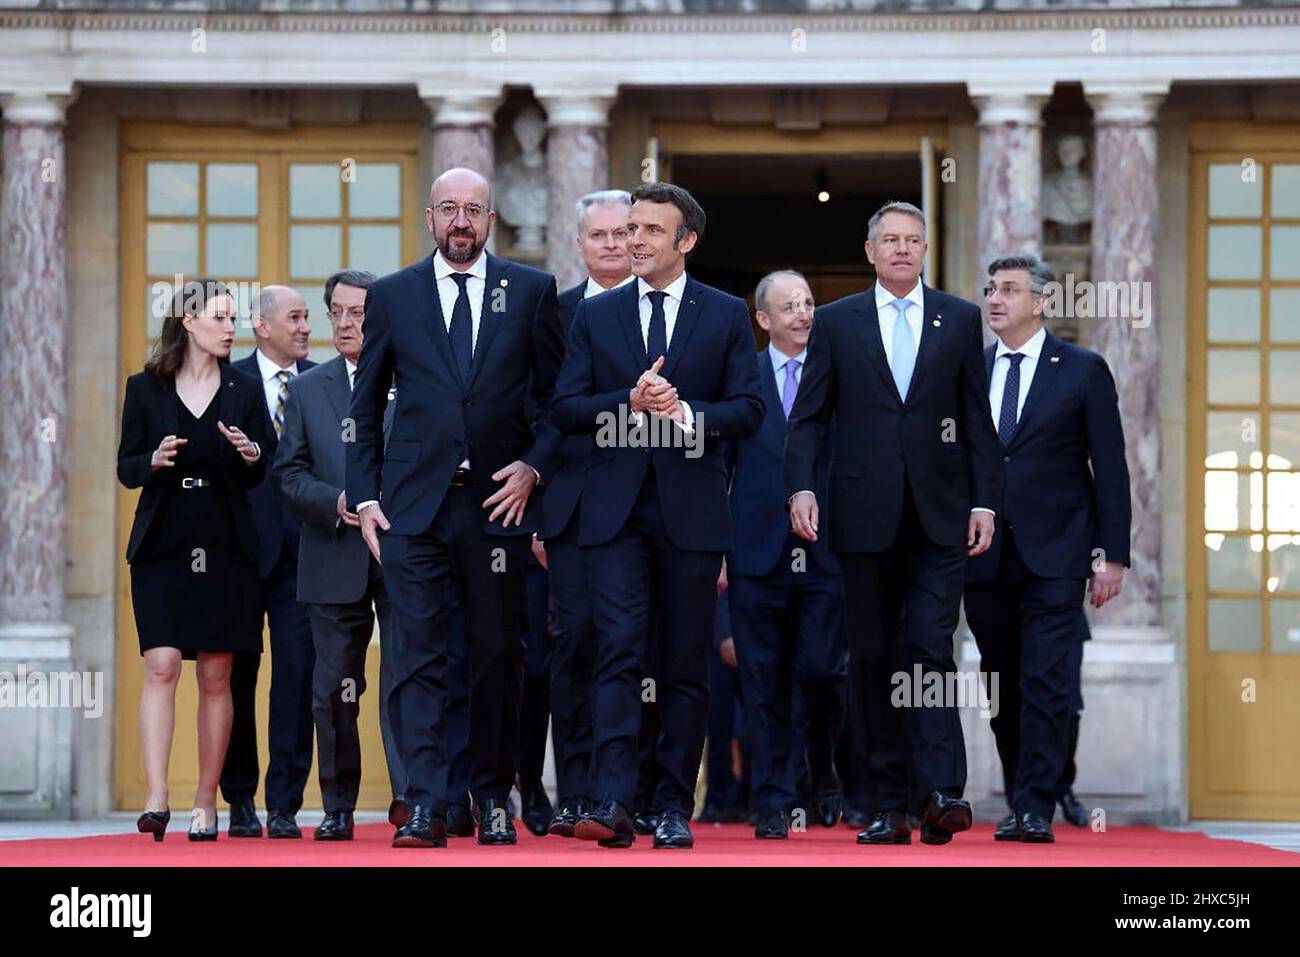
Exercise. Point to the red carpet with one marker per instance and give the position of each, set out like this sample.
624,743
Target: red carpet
716,845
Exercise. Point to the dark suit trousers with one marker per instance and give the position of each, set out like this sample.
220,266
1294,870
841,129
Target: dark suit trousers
723,790
535,703
901,608
289,728
573,654
1027,629
423,574
1076,712
342,634
638,568
788,628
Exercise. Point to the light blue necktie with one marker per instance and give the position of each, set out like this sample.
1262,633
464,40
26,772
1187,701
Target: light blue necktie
904,362
791,385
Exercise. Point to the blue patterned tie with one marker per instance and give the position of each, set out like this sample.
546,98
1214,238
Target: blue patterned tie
904,350
461,330
791,385
1010,399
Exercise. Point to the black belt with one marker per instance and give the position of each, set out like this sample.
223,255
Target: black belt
459,478
188,483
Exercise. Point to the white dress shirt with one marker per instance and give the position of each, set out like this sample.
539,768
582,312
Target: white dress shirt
779,359
352,372
270,382
449,290
887,315
672,304
1031,350
595,289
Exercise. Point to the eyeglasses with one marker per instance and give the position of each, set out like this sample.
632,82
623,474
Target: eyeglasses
355,314
449,210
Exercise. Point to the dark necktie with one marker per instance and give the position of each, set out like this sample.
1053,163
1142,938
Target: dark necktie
1010,399
656,340
461,330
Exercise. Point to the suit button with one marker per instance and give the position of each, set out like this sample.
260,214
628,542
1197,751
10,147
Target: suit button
1006,458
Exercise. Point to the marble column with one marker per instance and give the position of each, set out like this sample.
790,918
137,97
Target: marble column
1010,174
577,163
463,122
1124,231
34,638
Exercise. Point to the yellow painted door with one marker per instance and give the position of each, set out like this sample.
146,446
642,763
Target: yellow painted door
248,207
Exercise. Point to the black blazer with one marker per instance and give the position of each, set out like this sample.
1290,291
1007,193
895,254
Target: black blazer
496,417
711,362
561,492
940,435
149,414
1065,480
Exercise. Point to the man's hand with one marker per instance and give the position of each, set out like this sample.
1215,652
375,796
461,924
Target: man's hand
511,498
346,517
372,519
539,551
727,651
653,393
1107,583
722,576
979,533
803,515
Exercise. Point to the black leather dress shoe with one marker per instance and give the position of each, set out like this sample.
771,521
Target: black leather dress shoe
673,830
1036,829
337,826
828,805
645,822
244,821
854,817
566,818
423,828
607,823
494,824
537,811
281,824
944,816
1072,810
1008,829
460,821
398,812
887,827
771,825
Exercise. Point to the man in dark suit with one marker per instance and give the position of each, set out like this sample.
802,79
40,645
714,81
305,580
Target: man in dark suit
656,371
1064,517
602,240
280,319
913,479
474,343
786,602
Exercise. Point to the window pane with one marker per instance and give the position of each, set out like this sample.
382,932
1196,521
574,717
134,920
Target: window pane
1234,315
1284,252
232,189
314,190
158,299
1285,616
1232,564
173,189
1286,190
1234,624
1284,377
1231,437
232,250
1284,438
376,191
314,251
172,248
1284,315
1228,501
1234,376
1234,252
1230,195
1284,564
1284,501
377,248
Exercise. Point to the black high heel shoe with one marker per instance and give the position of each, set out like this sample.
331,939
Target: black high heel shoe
198,817
154,822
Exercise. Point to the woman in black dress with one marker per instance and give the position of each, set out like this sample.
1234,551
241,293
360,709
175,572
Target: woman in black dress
191,427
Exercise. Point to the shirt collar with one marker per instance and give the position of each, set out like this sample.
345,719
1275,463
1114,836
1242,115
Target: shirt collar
442,269
269,368
884,297
1031,349
595,289
675,289
351,366
779,358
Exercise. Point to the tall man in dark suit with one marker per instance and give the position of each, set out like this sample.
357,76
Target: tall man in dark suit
338,580
1064,517
656,371
473,343
602,240
913,479
280,319
786,601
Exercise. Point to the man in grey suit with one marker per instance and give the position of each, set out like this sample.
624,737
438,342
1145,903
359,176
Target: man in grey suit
338,579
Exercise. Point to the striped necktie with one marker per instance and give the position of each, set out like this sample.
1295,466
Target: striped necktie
284,375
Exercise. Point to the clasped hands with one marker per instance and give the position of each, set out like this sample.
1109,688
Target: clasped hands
656,395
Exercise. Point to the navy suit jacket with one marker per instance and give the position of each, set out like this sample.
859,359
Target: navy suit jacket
495,418
1059,507
939,436
560,495
710,360
758,510
277,526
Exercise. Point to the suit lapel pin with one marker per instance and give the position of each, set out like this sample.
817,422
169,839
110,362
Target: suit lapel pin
505,282
937,323
1056,358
